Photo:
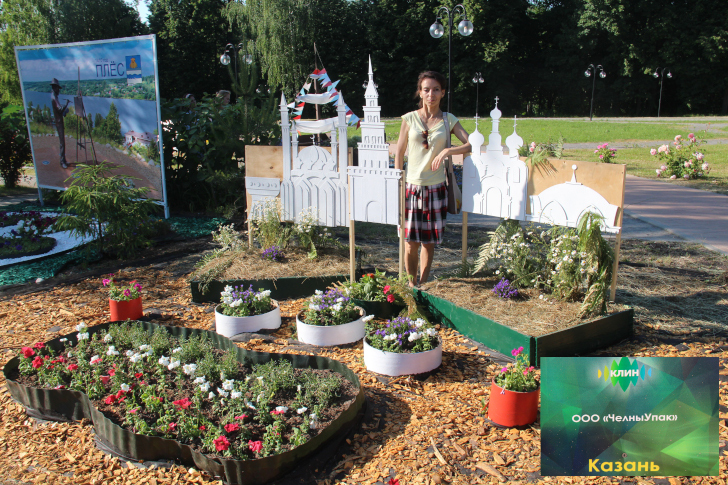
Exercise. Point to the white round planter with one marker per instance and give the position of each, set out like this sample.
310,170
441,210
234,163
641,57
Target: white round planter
396,364
229,326
324,335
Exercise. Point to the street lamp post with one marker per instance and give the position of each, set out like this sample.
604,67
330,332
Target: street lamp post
465,27
588,73
660,73
225,58
478,80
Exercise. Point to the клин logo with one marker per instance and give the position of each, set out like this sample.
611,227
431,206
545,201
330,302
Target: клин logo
624,373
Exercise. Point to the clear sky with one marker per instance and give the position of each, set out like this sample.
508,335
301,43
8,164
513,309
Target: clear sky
143,10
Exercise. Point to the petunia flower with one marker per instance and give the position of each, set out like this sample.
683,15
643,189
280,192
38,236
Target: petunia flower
221,443
255,446
232,427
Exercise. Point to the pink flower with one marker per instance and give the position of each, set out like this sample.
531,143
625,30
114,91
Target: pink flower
110,399
241,417
105,281
202,427
134,411
691,136
181,404
525,372
596,151
653,152
95,359
531,149
663,149
601,157
686,176
678,138
221,443
687,164
706,166
390,298
678,147
37,362
277,412
255,446
504,370
659,172
663,167
533,145
386,289
673,177
38,345
172,426
127,293
72,367
27,352
699,156
232,427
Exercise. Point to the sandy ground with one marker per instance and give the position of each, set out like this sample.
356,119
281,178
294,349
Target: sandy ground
47,149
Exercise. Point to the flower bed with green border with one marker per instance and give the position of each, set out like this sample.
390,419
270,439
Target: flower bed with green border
61,404
577,340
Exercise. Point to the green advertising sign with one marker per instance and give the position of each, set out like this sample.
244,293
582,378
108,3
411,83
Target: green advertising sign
622,416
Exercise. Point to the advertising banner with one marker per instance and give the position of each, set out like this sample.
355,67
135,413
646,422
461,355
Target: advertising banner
91,102
634,417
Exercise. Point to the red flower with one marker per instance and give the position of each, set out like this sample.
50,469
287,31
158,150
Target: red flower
37,362
229,428
255,446
202,428
60,386
172,426
38,345
112,372
27,352
393,481
221,443
120,394
277,412
110,399
390,298
241,417
138,375
386,289
72,367
181,404
371,275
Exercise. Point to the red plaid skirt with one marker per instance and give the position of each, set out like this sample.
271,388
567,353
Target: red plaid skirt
425,212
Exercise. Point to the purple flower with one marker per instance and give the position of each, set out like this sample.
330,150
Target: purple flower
504,289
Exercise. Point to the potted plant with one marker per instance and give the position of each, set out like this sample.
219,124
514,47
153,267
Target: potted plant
402,346
514,393
125,302
379,295
246,311
331,318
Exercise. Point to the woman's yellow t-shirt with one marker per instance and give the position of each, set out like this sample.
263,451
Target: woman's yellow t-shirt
419,159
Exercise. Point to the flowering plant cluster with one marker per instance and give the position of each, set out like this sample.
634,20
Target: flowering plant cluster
519,377
403,335
604,153
28,236
273,253
333,307
376,287
156,385
310,234
238,303
681,160
29,223
505,290
122,293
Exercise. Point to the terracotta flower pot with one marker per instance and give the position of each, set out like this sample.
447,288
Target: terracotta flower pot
126,310
512,408
327,335
228,326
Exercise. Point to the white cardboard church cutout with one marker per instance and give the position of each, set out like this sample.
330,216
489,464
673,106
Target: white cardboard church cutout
315,178
564,204
374,186
260,189
495,184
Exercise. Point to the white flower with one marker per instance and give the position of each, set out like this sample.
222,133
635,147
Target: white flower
95,359
236,303
247,378
282,408
223,392
540,297
250,405
391,336
83,336
419,322
173,364
144,347
189,369
205,386
200,380
228,289
314,307
302,410
112,350
497,271
430,332
227,300
81,327
260,396
337,307
64,340
228,385
414,336
129,353
211,395
319,292
134,358
178,349
164,360
260,379
367,318
108,337
125,387
298,387
340,300
236,394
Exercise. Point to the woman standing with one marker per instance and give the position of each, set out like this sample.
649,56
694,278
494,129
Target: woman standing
424,136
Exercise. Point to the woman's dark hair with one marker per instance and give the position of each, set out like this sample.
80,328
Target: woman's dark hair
431,75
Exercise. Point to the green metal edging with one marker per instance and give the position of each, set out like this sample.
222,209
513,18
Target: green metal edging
73,405
576,340
281,288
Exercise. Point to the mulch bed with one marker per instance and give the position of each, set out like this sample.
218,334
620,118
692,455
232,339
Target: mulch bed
426,430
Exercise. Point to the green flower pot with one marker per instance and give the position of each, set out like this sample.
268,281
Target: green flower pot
380,309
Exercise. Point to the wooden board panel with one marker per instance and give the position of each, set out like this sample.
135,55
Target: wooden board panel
605,178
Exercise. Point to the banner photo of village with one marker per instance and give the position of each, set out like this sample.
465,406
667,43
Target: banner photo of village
91,102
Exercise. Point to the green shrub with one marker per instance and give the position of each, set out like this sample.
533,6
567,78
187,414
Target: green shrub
14,144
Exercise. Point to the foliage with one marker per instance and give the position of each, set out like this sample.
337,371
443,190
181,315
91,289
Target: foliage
604,153
228,238
681,160
266,224
311,235
376,286
537,153
518,377
107,208
403,335
245,303
329,308
14,144
122,293
567,262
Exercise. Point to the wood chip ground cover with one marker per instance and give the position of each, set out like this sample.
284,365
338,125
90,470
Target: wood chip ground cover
421,431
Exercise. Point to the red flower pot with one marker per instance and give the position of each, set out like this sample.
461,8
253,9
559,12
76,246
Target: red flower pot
123,310
512,408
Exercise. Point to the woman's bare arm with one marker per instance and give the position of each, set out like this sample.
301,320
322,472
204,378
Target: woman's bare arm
461,135
401,145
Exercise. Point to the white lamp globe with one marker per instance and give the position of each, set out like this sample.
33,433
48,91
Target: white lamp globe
602,74
225,59
437,30
465,27
587,73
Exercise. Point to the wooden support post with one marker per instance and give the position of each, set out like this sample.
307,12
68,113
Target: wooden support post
615,268
401,224
465,237
352,238
250,230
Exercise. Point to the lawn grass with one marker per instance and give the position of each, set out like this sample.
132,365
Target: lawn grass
640,163
577,131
